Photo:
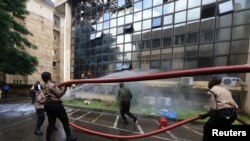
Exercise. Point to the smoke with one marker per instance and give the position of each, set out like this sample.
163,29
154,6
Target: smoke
154,97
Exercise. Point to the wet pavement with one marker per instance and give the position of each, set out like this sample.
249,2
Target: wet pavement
17,123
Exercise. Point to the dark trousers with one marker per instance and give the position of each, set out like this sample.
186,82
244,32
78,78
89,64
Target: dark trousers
125,109
33,98
223,117
56,110
40,118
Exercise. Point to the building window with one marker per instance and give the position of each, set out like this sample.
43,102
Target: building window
118,66
128,28
179,40
120,30
92,36
155,64
98,35
126,66
208,11
156,22
225,7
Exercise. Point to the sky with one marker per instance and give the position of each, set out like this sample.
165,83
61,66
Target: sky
53,1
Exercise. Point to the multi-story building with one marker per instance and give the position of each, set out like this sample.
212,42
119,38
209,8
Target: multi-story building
113,35
46,25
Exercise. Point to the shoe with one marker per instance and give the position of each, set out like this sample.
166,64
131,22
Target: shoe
55,128
135,119
72,138
38,132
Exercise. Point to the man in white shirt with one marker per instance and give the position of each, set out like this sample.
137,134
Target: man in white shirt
222,107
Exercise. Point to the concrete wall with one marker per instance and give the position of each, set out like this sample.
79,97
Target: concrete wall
40,23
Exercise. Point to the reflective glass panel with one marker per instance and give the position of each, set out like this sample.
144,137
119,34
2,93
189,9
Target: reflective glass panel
180,5
146,34
120,30
128,47
137,36
106,16
156,33
193,26
157,2
121,3
120,39
168,19
226,7
180,17
156,43
193,14
177,64
157,11
106,25
113,23
128,38
156,22
137,26
220,61
178,52
241,46
224,21
147,4
167,42
166,65
146,24
190,63
155,64
166,53
242,17
194,3
127,56
241,32
129,19
120,21
241,4
206,50
167,31
168,8
138,6
223,34
237,59
191,51
192,38
221,48
206,36
147,14
138,16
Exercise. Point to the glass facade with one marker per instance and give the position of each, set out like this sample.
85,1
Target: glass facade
116,35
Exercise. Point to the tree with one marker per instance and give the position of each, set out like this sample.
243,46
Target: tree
13,41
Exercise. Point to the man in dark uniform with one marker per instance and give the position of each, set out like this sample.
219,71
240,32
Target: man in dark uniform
222,107
124,97
54,108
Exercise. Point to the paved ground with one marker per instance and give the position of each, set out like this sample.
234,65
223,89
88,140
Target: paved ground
17,122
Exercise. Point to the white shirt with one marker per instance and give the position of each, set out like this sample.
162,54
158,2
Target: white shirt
220,98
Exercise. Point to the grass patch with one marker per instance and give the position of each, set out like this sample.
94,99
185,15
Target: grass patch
182,113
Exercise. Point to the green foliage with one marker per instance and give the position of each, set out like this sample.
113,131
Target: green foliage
13,58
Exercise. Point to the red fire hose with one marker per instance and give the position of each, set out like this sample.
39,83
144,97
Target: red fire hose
136,136
162,75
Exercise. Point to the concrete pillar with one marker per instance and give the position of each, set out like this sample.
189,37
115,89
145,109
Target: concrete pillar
247,100
67,43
